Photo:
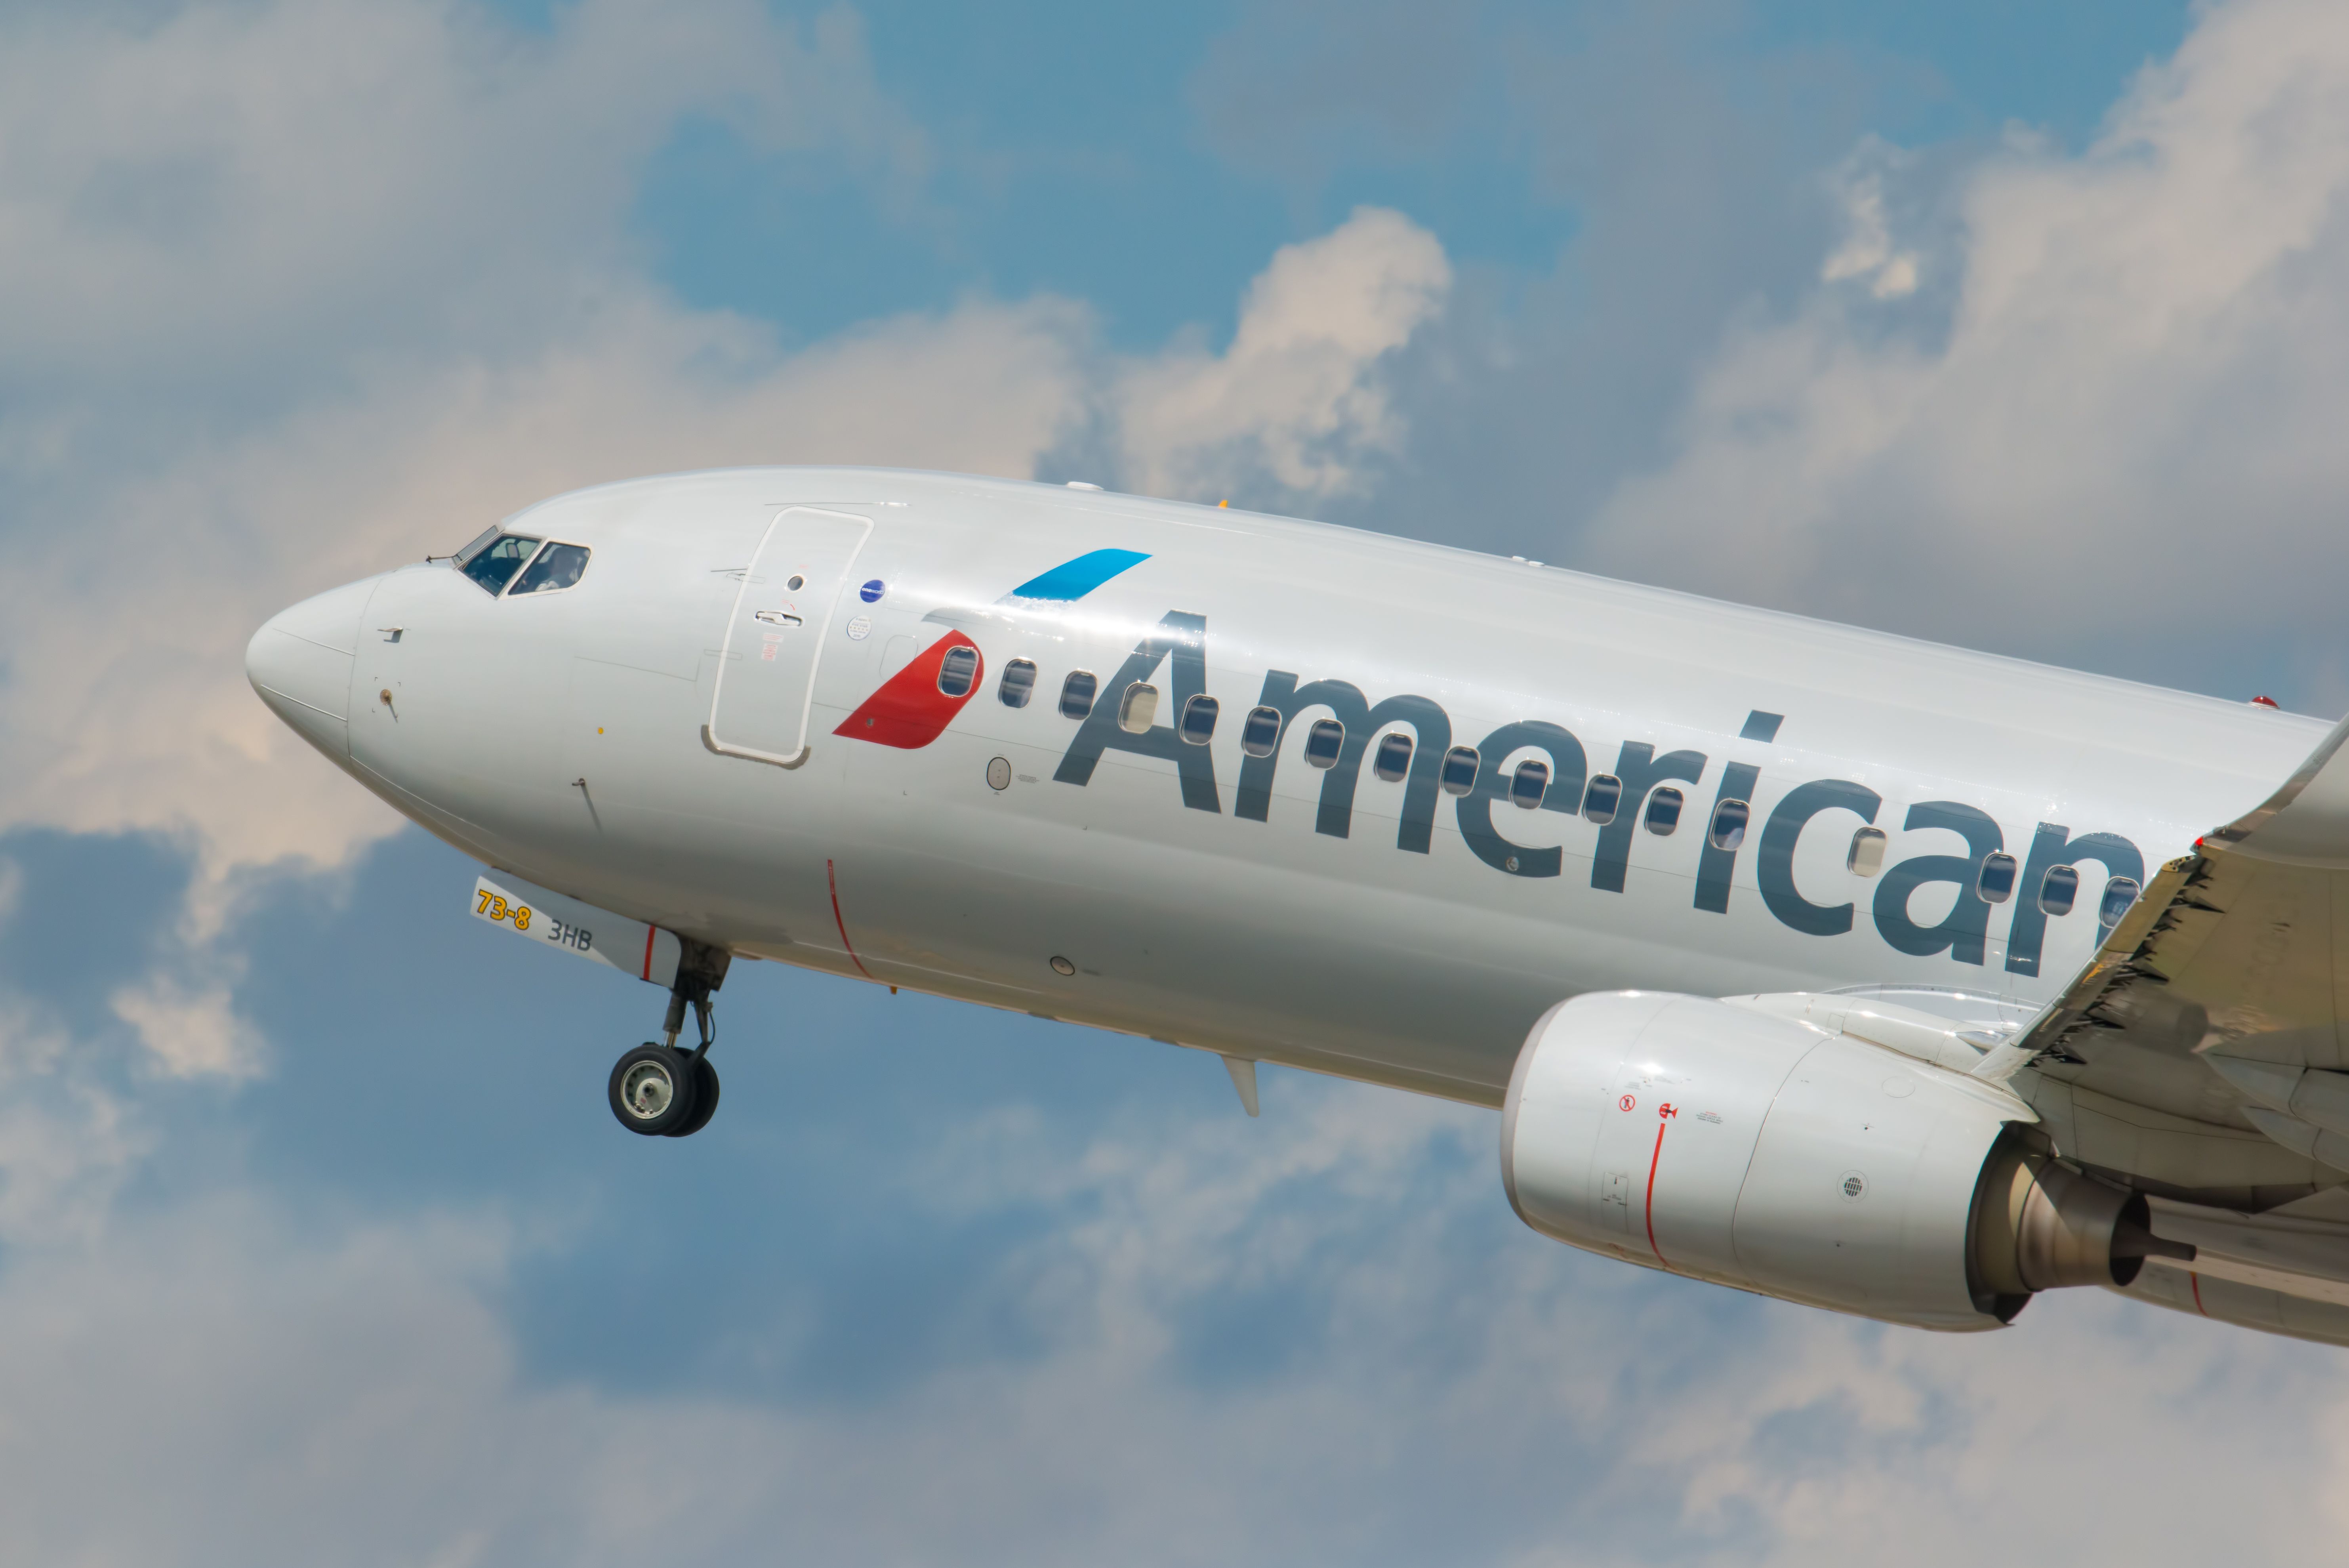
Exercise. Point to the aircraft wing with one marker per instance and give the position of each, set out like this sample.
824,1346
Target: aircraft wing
2202,1057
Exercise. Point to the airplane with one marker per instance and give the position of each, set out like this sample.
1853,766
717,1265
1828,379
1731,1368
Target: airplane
1836,965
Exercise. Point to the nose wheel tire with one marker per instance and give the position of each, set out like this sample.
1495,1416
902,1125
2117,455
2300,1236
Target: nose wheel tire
705,1098
655,1091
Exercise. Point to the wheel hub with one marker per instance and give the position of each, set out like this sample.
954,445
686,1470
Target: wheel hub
648,1090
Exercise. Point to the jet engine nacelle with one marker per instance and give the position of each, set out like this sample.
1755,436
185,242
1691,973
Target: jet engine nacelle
1754,1150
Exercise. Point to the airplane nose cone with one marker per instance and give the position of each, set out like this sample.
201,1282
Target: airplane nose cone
300,663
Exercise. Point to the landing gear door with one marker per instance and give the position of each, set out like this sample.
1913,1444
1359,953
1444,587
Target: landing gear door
775,636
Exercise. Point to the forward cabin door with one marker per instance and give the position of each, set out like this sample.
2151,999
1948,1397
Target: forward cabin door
781,620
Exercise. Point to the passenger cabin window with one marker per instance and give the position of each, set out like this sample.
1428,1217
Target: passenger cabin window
959,671
2059,890
1077,694
1198,725
1601,799
1460,765
1392,759
1019,683
1996,883
1867,856
1528,784
494,564
1729,820
558,567
1262,733
2119,894
1138,709
1663,811
1323,742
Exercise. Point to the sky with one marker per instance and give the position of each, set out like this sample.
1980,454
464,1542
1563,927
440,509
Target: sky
2019,326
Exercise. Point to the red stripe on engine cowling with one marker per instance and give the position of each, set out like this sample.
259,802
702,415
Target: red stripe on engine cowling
1654,1160
909,711
650,932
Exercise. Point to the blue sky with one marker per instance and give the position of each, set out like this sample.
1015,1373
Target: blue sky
1148,164
2018,327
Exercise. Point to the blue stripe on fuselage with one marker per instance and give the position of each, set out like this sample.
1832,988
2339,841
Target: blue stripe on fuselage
1075,580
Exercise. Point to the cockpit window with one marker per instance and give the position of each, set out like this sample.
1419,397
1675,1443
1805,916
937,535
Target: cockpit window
557,567
480,542
497,562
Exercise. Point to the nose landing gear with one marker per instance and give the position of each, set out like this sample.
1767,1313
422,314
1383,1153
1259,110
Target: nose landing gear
666,1090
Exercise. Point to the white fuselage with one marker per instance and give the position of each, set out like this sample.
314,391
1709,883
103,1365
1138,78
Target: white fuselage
592,741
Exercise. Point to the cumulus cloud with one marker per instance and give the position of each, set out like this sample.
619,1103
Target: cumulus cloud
387,239
67,1142
1465,1392
2123,436
232,202
190,1032
1297,398
384,243
160,730
309,289
1868,254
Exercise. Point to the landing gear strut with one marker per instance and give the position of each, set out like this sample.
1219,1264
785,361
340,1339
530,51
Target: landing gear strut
666,1090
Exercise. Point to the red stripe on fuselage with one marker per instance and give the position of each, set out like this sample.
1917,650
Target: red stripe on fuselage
909,710
831,879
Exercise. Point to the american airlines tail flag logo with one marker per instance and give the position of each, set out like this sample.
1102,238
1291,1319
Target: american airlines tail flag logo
912,708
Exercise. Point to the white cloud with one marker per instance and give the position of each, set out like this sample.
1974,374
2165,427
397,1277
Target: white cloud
1446,1390
401,230
211,1378
156,730
67,1142
1867,253
1297,396
2125,434
190,1032
159,730
228,195
304,289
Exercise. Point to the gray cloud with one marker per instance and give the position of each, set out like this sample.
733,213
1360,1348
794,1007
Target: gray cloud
1683,158
2120,444
367,266
237,205
1302,89
402,232
221,1381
